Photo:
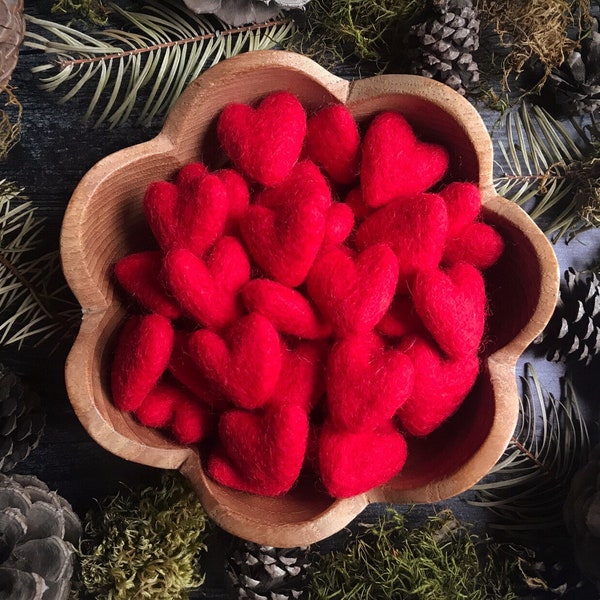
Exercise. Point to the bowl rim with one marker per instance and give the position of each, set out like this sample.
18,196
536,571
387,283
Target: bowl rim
98,307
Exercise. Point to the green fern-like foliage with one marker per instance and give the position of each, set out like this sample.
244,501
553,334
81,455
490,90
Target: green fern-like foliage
34,305
526,489
552,169
144,66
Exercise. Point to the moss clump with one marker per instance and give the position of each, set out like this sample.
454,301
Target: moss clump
90,11
145,544
439,561
369,29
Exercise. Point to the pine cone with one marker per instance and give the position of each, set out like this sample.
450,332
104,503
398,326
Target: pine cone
38,532
444,45
265,573
11,35
21,420
574,88
240,12
573,332
582,517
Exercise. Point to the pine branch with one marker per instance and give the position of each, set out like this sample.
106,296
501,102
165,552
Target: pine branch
146,65
33,296
553,170
526,489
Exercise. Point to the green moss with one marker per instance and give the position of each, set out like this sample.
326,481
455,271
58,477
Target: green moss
440,561
145,544
91,11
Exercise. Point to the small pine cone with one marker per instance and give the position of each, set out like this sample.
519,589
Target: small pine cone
21,420
573,333
574,88
265,573
38,535
11,36
582,517
444,45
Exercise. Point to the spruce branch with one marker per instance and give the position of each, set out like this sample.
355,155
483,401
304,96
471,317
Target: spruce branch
526,489
146,65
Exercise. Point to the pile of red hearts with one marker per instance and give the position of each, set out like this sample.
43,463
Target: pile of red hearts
309,307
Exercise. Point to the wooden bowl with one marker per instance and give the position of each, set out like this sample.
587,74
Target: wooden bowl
104,221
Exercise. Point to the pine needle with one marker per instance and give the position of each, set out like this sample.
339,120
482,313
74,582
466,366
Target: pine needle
146,65
526,489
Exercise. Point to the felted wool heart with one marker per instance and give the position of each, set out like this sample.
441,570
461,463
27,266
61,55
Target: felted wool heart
302,377
463,203
366,384
261,453
353,292
452,306
156,410
142,354
414,229
479,245
440,385
183,368
340,222
287,309
264,142
208,290
333,141
139,275
354,199
400,319
354,462
191,216
245,363
395,164
189,173
284,230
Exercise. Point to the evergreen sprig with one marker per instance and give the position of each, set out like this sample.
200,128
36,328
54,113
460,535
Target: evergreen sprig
556,166
526,489
146,64
33,299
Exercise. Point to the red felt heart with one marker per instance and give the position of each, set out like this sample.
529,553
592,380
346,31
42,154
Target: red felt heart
190,216
141,357
208,290
452,305
353,292
440,385
395,164
479,245
139,275
351,463
414,229
463,203
183,368
340,222
264,142
261,453
400,319
354,199
284,230
289,311
333,141
302,377
244,363
366,384
188,174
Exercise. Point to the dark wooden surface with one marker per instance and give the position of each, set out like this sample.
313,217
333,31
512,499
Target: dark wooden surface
55,151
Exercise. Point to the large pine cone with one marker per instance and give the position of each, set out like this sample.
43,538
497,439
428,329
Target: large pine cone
573,333
38,533
444,45
21,420
240,12
582,516
12,29
574,88
265,573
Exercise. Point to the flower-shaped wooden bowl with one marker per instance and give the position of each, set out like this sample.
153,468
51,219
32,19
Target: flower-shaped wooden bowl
104,222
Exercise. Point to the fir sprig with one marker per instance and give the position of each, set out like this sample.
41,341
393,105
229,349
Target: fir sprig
526,489
33,299
556,166
147,64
